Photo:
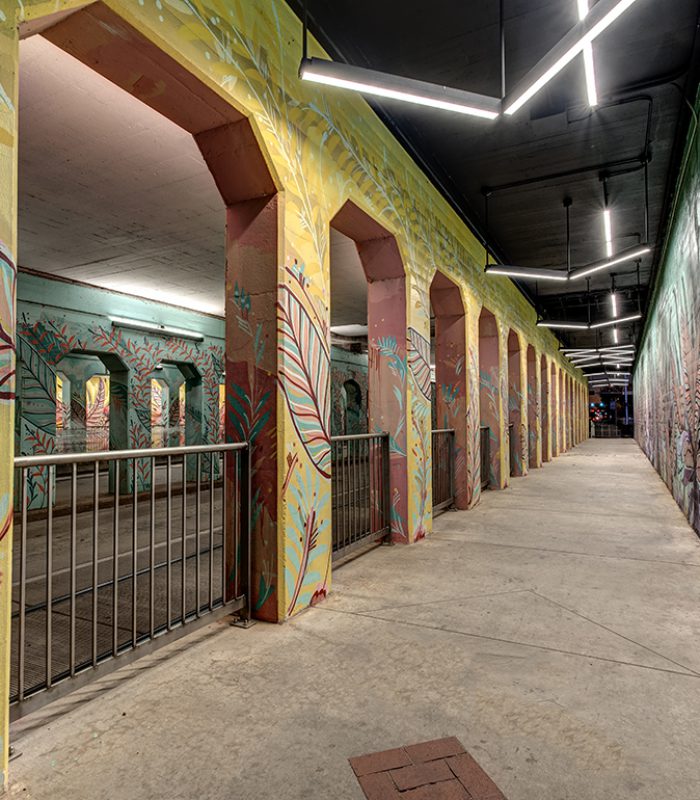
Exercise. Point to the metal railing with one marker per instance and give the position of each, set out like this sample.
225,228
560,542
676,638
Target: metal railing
443,469
606,430
360,491
104,570
485,450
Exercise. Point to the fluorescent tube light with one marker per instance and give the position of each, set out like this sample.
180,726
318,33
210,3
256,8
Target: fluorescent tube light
607,226
596,266
613,304
615,338
152,327
607,323
601,16
349,330
527,272
396,87
581,326
589,65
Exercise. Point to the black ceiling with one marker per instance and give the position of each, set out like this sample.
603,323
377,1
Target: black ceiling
646,68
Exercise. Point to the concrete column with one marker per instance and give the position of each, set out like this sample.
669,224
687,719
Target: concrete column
9,60
516,446
534,427
490,394
451,374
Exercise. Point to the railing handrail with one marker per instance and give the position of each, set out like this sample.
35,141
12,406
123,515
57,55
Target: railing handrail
116,455
443,430
354,437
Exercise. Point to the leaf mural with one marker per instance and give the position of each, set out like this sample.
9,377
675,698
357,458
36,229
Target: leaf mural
38,389
419,361
304,378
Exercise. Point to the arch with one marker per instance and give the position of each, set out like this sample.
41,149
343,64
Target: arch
353,407
545,413
533,410
516,422
490,393
105,42
388,341
451,374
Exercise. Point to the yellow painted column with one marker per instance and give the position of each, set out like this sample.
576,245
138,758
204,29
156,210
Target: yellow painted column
472,309
524,411
9,55
504,455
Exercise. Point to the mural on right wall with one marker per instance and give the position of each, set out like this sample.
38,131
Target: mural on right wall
667,376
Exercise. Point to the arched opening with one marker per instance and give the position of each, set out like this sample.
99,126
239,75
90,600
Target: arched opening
370,305
207,159
544,409
354,408
490,400
563,443
554,411
533,408
516,423
449,357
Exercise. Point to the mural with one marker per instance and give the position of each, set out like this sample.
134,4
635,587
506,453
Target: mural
51,338
349,392
324,147
667,377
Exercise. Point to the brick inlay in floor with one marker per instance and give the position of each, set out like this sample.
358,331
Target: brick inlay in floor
437,770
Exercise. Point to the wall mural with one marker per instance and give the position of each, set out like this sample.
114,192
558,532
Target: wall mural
349,392
667,378
50,338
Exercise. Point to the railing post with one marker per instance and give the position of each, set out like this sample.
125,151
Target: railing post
247,532
453,451
386,483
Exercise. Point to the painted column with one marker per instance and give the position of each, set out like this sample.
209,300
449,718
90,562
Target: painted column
473,310
534,432
515,416
545,411
493,385
451,375
554,407
9,56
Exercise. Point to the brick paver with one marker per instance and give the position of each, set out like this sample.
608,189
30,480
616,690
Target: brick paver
437,770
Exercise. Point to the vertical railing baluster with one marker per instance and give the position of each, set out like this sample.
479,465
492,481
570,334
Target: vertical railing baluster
49,576
183,592
95,556
152,586
198,509
134,553
211,531
22,588
224,531
73,564
168,542
115,568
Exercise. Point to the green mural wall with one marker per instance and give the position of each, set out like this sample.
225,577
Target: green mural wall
667,375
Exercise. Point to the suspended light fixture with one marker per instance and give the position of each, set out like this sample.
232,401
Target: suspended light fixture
607,227
527,272
613,304
615,339
152,327
601,16
588,63
547,323
609,322
596,266
396,87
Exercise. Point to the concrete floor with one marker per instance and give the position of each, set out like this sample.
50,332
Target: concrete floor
554,630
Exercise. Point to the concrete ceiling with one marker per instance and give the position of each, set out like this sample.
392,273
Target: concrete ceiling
111,192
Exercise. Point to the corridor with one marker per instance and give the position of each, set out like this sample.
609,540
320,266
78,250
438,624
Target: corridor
553,629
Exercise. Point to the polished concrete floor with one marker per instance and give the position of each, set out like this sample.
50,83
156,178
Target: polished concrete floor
554,630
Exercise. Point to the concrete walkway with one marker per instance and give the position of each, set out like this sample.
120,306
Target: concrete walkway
554,630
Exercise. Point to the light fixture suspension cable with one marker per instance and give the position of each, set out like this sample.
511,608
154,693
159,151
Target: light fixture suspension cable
502,31
305,32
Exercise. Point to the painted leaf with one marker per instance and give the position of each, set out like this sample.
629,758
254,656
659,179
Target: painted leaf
38,389
304,379
419,361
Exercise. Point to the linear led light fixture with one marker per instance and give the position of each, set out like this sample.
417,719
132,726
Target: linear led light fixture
596,266
152,327
600,17
588,63
619,321
526,272
615,336
613,303
607,227
577,326
587,350
396,87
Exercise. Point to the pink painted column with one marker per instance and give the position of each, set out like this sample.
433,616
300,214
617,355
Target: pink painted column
490,392
515,397
451,375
